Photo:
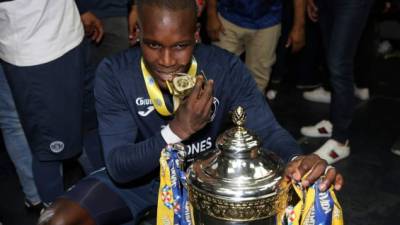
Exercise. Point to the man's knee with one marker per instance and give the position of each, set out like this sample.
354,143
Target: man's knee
65,212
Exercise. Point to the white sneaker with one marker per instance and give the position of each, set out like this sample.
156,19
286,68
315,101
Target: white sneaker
384,47
332,151
361,93
396,151
321,129
318,95
271,94
396,147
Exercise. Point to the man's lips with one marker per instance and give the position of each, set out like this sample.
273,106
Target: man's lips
166,76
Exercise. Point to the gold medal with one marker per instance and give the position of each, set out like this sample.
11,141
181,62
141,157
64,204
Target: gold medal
179,87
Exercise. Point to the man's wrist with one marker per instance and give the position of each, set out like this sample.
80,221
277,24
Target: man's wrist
169,136
178,131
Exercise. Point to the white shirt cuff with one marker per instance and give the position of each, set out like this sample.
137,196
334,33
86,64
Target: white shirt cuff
169,136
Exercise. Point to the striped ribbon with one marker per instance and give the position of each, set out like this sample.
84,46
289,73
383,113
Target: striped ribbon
173,206
313,207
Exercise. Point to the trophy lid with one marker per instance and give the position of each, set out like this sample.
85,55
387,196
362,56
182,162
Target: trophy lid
239,170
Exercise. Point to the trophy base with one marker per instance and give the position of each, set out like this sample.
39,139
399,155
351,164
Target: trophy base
204,219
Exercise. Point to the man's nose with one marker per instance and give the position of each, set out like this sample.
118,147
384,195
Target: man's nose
167,58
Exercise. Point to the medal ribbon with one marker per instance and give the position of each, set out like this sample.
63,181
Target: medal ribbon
155,93
313,207
173,206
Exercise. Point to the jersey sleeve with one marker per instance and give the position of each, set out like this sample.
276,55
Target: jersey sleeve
260,118
85,5
126,159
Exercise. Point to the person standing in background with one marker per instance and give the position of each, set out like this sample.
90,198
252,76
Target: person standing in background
253,27
43,60
342,23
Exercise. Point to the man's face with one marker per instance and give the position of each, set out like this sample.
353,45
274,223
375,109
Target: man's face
167,41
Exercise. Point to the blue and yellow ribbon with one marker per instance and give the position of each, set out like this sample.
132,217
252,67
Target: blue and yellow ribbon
173,207
313,207
155,93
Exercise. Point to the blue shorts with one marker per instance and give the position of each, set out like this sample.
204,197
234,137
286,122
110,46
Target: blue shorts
48,98
110,203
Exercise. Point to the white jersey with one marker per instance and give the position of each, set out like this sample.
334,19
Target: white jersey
34,32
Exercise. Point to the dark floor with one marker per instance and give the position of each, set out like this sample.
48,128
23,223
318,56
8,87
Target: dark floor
371,195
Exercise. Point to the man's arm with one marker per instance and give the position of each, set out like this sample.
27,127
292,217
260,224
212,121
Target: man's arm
296,37
92,25
126,158
213,25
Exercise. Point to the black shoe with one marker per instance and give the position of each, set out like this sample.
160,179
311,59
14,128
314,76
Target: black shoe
35,208
306,87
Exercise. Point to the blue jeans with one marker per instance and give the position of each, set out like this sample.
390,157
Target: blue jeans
15,141
342,22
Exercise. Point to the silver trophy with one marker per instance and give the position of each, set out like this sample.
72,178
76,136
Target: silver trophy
238,183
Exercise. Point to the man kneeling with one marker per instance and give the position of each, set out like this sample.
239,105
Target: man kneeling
137,117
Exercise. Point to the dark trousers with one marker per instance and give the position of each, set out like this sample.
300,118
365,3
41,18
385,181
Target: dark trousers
342,22
48,98
303,65
366,54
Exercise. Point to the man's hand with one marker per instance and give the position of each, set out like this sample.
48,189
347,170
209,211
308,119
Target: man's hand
296,39
195,111
312,10
214,26
93,26
132,25
315,167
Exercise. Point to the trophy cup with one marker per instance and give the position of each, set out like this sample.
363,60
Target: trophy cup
238,183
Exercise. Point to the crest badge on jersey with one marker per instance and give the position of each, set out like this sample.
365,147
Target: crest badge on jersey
56,146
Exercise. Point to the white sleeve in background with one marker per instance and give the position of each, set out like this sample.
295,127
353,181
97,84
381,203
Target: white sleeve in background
39,31
169,136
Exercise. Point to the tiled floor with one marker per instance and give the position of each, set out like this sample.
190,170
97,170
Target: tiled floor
371,195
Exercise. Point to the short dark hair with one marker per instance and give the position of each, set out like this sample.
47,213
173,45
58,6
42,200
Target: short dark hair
168,4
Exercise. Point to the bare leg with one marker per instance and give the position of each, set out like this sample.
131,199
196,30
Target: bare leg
65,212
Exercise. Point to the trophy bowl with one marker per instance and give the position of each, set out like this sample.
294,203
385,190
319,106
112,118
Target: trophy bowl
238,182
